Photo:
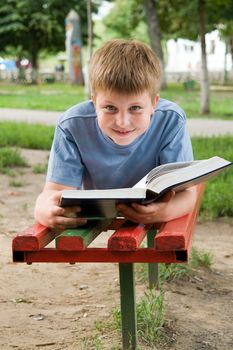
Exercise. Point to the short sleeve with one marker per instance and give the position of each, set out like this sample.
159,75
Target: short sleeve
65,163
178,147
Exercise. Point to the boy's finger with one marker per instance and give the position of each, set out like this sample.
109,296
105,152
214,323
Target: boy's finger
167,197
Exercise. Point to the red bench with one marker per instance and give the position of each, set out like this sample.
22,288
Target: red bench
166,243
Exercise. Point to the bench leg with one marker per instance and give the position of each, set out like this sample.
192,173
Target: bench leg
153,268
128,307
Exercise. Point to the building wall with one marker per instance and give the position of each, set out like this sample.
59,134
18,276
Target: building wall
184,57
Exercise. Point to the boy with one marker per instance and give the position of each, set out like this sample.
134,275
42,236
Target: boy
117,138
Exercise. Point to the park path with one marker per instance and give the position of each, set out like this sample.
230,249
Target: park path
196,127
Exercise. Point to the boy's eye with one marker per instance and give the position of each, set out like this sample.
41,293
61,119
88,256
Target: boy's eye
135,108
110,108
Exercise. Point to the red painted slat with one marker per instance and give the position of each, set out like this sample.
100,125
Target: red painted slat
70,243
97,255
33,238
127,238
177,234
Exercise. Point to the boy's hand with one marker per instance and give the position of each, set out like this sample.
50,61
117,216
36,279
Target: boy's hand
147,214
50,214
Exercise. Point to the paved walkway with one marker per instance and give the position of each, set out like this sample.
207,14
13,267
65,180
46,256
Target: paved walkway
197,127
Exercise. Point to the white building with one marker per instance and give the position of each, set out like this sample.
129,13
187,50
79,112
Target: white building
184,58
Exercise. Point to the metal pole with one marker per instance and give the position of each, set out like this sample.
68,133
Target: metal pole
128,307
153,268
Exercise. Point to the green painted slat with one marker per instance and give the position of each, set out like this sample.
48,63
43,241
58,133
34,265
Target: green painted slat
87,232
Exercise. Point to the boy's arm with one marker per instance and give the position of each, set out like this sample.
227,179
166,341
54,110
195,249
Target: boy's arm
48,212
171,206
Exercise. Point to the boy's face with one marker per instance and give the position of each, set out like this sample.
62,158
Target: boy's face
123,117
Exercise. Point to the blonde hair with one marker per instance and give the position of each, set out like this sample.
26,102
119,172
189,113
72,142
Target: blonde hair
127,66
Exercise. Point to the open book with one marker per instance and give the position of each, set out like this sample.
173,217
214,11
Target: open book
160,180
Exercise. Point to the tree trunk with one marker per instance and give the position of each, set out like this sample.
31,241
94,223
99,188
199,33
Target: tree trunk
90,47
225,73
231,49
155,35
204,105
34,61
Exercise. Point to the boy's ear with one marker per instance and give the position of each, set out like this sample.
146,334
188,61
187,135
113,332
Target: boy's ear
155,100
93,99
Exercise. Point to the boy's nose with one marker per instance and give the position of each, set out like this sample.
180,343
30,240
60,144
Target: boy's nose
122,120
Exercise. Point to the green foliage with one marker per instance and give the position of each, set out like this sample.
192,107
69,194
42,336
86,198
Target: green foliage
35,25
10,157
25,135
150,316
125,17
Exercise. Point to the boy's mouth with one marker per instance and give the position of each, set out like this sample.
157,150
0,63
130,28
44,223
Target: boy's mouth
123,132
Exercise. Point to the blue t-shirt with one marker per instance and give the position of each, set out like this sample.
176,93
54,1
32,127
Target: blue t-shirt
82,156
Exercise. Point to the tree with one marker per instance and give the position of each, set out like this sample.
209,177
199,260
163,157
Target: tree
204,103
90,45
37,25
155,34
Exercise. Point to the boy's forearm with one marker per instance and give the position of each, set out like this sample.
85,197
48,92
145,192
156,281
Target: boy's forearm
181,204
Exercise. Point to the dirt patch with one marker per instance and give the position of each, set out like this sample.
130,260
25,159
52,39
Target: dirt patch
55,306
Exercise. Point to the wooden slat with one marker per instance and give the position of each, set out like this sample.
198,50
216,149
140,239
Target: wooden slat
128,237
35,237
97,255
177,234
80,238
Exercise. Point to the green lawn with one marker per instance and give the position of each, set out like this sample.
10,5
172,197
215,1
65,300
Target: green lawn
59,97
49,97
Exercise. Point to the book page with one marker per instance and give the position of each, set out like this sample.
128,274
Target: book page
168,168
204,169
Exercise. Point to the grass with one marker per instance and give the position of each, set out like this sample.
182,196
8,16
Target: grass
10,158
150,317
24,135
49,97
59,97
217,200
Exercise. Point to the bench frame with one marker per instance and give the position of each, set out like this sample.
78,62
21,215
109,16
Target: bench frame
166,243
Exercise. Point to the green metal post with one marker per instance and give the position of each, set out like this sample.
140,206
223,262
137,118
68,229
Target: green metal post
128,307
153,268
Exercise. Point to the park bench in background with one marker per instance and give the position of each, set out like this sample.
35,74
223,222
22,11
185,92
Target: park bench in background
168,242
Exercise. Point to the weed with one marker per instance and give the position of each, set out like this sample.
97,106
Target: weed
15,183
89,343
40,168
172,272
200,259
10,157
150,316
